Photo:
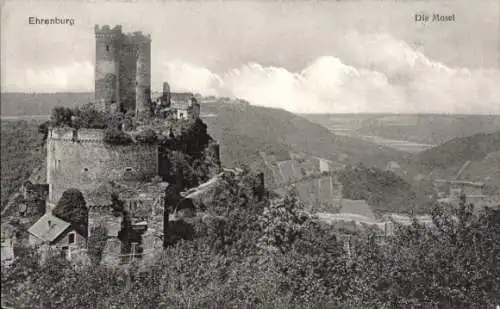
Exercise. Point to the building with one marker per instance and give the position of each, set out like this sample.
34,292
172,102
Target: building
180,105
122,71
185,105
81,159
56,233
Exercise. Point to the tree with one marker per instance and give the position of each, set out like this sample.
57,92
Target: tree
43,129
89,117
61,116
282,223
97,243
72,208
171,199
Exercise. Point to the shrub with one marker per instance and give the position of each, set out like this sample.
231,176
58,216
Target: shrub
72,208
147,136
61,116
90,118
115,136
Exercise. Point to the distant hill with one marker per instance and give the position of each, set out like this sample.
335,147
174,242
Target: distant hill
432,129
22,104
426,129
243,131
281,131
455,152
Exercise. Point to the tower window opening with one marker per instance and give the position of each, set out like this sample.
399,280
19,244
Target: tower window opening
85,169
128,169
107,48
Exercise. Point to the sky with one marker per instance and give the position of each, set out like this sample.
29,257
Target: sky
303,56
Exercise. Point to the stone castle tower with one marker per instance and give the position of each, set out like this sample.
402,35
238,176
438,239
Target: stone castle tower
122,71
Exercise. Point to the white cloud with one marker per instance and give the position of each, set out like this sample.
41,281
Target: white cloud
372,73
72,77
377,74
187,77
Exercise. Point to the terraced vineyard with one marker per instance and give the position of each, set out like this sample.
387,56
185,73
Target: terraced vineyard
310,176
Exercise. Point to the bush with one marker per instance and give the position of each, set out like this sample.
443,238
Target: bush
147,136
117,137
90,118
61,116
72,208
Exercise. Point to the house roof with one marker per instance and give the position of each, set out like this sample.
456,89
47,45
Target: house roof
48,227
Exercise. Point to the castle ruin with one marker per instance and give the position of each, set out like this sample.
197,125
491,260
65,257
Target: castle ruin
122,71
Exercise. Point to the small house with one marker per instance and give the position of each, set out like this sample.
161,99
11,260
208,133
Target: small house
55,232
185,105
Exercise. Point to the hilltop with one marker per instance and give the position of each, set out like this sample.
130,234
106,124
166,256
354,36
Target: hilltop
282,131
450,156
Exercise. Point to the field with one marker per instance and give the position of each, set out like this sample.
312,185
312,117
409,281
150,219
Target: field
425,129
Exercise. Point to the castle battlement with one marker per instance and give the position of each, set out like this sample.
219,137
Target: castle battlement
81,159
80,135
107,29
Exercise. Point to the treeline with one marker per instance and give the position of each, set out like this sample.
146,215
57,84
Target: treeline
270,254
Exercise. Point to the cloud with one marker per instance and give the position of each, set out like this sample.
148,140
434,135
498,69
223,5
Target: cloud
372,73
73,77
187,77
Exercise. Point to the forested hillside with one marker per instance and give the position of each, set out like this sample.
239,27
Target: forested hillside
454,153
383,190
22,152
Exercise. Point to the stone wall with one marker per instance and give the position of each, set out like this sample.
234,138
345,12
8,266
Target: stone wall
107,65
80,159
143,76
122,69
128,72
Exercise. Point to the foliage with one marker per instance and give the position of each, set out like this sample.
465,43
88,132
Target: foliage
281,222
96,243
22,153
147,136
453,265
117,137
88,117
72,208
61,116
43,129
384,191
